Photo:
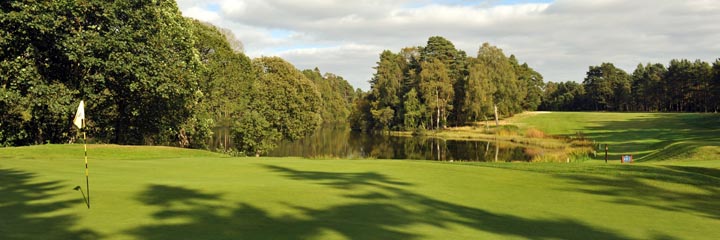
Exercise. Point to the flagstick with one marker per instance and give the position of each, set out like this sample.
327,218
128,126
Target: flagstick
87,179
79,121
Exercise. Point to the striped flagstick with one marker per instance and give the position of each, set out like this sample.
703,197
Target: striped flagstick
79,121
87,178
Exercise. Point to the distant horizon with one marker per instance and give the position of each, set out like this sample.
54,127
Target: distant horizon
560,39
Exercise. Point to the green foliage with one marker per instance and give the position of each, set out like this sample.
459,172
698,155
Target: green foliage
383,116
479,91
337,95
413,110
568,96
684,86
254,134
436,90
386,81
225,79
647,88
15,116
609,87
148,76
447,87
500,71
284,105
133,63
360,118
441,49
531,82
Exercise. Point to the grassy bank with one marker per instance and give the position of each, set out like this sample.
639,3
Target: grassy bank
166,193
674,138
647,136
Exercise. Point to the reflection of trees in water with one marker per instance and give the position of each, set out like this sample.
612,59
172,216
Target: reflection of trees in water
328,141
339,141
414,148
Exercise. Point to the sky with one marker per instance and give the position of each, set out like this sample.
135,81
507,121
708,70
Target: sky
560,38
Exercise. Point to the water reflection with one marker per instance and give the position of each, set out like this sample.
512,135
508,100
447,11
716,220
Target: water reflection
337,141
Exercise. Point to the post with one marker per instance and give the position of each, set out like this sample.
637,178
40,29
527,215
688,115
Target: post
606,153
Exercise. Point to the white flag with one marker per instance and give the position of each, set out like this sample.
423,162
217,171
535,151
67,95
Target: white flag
80,115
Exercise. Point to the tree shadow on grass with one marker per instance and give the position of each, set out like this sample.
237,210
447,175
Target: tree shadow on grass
656,136
708,172
381,209
26,209
632,184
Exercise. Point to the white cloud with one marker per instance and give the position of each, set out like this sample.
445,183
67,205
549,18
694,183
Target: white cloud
559,39
202,14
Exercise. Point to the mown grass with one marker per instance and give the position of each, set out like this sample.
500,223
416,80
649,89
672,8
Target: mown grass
167,193
647,136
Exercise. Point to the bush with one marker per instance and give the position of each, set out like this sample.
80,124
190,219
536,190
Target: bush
534,133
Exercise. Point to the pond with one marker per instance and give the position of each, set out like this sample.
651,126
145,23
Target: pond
337,141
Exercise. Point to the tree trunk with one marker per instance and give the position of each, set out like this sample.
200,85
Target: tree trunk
437,104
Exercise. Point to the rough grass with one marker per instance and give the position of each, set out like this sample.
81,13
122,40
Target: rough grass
647,136
167,193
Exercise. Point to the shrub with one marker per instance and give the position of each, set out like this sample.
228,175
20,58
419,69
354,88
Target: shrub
534,133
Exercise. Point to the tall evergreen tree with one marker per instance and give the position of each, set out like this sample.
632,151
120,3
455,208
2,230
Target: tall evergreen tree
678,82
608,87
700,87
413,110
386,89
564,96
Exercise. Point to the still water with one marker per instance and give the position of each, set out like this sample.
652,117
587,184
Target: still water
337,141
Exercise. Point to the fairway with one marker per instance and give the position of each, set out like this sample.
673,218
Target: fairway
647,136
168,193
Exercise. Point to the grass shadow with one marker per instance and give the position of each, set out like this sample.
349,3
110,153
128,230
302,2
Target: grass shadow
647,186
381,208
430,211
641,184
26,209
656,136
709,172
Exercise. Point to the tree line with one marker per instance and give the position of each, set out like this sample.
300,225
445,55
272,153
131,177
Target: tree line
682,86
433,86
149,76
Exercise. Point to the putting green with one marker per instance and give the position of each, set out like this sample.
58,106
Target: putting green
168,193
